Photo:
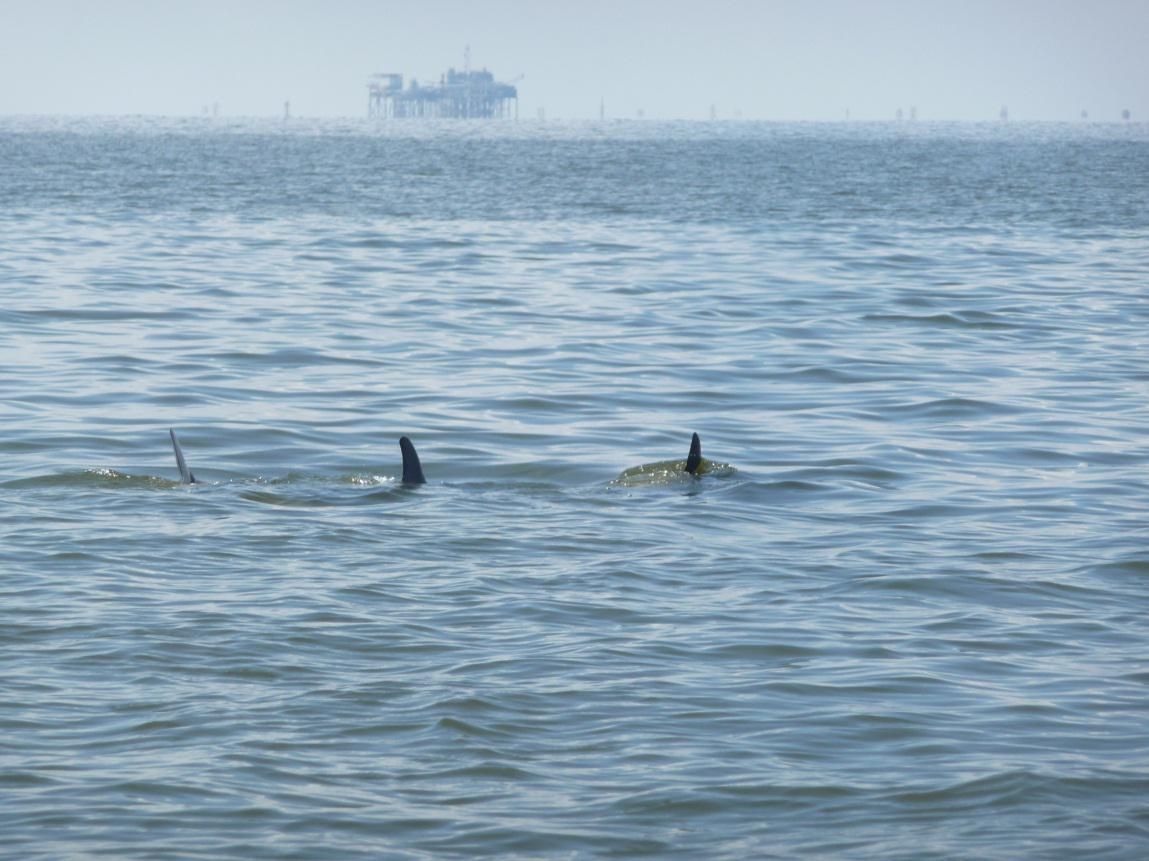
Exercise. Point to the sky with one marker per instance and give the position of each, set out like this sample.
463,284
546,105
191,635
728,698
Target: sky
671,59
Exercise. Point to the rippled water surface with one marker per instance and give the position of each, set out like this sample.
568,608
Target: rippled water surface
909,620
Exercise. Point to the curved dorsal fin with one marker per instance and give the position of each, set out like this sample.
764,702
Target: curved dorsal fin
412,469
695,457
185,474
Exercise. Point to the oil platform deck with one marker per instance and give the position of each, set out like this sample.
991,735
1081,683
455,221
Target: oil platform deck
458,95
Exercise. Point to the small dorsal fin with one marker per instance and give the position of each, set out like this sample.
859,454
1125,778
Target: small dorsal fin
185,474
695,457
412,469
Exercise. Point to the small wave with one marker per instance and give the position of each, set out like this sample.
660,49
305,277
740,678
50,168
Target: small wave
291,358
266,497
95,477
990,791
1137,568
793,484
113,314
953,407
472,728
826,374
978,320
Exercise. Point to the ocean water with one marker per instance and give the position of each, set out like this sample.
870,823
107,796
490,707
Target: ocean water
910,620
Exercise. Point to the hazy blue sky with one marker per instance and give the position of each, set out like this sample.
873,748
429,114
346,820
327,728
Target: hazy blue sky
771,59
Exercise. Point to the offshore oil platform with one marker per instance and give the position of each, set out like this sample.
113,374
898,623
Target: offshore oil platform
458,95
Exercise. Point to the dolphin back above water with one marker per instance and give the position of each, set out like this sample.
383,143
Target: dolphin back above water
412,469
674,471
185,474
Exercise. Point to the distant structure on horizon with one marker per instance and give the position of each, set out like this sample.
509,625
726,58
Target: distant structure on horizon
465,95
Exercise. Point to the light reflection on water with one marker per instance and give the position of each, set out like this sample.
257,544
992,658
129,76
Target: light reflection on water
913,611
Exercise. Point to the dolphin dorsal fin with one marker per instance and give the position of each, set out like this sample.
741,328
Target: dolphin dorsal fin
694,459
185,474
412,469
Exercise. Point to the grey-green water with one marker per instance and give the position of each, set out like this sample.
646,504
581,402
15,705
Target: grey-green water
911,621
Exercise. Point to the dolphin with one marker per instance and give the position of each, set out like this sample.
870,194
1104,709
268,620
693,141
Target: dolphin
185,474
675,471
412,469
